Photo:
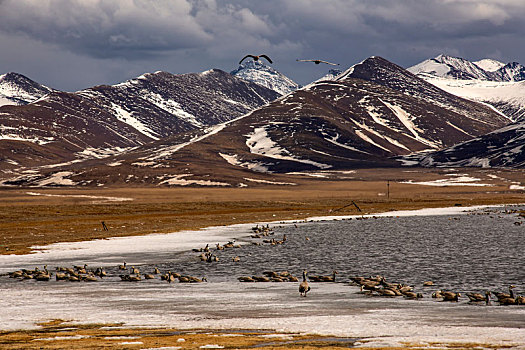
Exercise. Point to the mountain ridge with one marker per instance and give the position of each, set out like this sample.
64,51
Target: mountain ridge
459,68
262,74
363,119
125,115
17,89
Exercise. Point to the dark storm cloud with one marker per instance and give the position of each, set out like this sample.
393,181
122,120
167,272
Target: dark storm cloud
193,35
105,28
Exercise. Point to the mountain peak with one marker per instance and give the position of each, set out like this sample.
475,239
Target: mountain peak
376,69
459,68
262,74
17,89
452,67
489,64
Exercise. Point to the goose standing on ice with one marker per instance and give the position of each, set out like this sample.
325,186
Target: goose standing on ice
304,287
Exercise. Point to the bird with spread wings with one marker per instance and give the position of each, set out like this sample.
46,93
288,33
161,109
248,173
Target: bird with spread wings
318,61
256,58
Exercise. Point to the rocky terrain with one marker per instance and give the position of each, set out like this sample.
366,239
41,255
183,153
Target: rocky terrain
370,113
104,120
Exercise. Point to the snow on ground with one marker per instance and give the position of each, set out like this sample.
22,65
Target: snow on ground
260,143
98,198
458,180
180,181
269,182
255,166
58,179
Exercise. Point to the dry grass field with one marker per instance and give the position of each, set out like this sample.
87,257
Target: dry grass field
37,216
58,334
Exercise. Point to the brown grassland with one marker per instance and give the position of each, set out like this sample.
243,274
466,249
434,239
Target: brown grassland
75,214
58,334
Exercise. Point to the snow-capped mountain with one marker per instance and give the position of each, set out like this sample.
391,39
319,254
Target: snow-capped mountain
507,97
372,112
488,81
489,65
102,120
459,68
450,67
264,75
16,89
331,75
504,147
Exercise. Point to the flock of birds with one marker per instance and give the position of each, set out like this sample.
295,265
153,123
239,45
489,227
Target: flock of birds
257,57
371,286
379,286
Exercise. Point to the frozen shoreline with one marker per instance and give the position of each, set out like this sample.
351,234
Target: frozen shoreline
180,241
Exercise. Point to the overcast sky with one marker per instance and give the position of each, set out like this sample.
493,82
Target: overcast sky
75,44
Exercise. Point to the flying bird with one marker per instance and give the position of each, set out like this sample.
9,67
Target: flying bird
256,58
319,61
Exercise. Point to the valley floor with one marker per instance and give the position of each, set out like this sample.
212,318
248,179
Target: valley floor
39,216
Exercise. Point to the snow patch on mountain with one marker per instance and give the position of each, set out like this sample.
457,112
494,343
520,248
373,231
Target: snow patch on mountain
266,76
260,143
457,180
408,122
334,141
58,179
489,65
453,67
233,159
331,75
16,89
179,180
459,68
171,106
100,153
507,97
128,118
22,133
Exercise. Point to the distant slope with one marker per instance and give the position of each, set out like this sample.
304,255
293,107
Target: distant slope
501,148
102,120
489,81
